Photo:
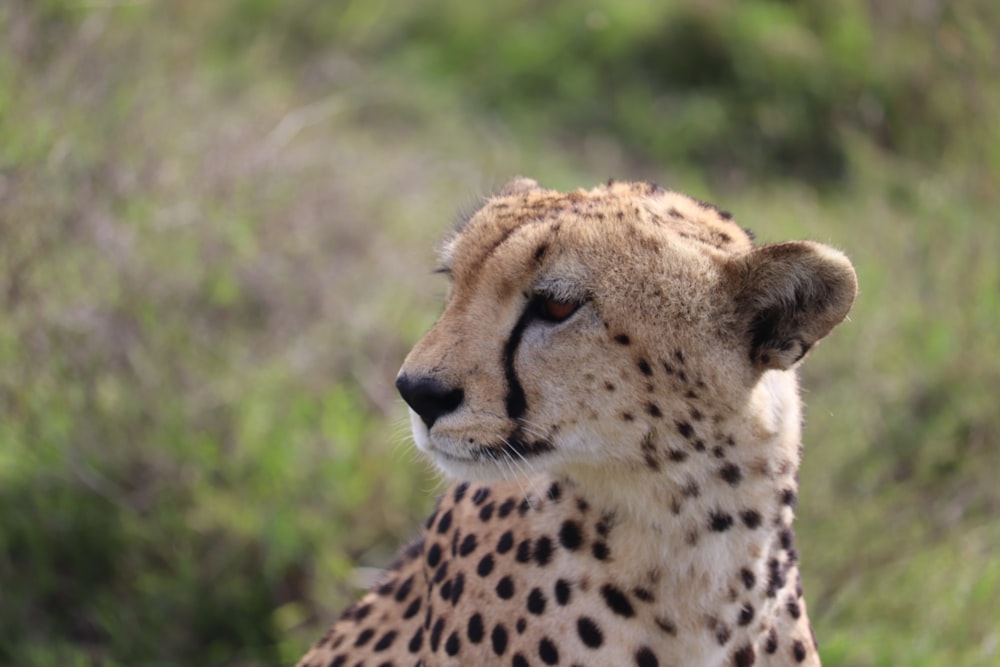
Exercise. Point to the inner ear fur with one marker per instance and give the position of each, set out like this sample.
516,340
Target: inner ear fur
788,297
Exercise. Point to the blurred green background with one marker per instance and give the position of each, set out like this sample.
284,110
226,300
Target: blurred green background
216,232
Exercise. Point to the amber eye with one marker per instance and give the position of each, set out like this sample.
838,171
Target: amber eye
554,310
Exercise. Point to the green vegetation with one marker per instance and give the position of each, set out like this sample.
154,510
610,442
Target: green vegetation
216,228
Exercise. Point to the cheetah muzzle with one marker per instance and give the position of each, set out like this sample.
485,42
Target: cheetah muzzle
612,386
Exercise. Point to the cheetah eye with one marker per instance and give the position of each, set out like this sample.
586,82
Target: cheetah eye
551,309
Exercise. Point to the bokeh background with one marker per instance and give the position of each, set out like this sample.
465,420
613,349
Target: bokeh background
216,233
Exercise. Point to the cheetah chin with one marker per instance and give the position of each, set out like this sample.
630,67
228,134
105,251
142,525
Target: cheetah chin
612,386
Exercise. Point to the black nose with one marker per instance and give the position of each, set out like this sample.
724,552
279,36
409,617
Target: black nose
428,397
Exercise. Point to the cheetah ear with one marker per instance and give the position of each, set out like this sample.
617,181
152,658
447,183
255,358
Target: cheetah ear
788,297
519,186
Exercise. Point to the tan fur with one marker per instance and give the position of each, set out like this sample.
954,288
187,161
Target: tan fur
632,468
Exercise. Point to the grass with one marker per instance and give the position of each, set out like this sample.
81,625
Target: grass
216,233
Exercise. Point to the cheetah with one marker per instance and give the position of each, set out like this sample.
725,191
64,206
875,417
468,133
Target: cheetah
612,387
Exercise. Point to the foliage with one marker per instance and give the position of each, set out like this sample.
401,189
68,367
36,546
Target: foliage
215,228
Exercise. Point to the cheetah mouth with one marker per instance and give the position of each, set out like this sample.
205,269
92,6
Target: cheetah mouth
508,449
512,448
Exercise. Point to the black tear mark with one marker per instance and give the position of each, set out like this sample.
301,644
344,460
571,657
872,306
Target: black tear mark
517,404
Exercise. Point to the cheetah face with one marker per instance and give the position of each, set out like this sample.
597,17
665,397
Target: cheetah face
582,327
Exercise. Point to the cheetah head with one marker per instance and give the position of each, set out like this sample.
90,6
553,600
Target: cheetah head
612,330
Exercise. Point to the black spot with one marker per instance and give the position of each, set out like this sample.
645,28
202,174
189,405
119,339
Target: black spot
441,572
416,641
677,455
798,651
679,356
643,594
436,634
792,606
653,410
562,591
731,473
667,626
524,551
720,521
787,539
480,496
460,491
413,609
505,588
751,518
540,251
617,601
521,626
434,555
364,637
404,591
645,657
775,577
505,543
519,661
485,566
499,639
468,545
523,506
748,578
547,651
645,368
570,536
543,550
536,601
622,339
445,523
458,587
745,657
555,492
386,587
685,429
356,612
590,633
486,513
452,646
722,634
475,629
746,614
789,497
506,508
445,591
600,550
771,644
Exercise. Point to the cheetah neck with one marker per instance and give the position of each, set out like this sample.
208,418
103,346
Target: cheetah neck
720,565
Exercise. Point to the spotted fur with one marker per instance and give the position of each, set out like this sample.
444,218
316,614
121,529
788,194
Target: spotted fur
612,385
